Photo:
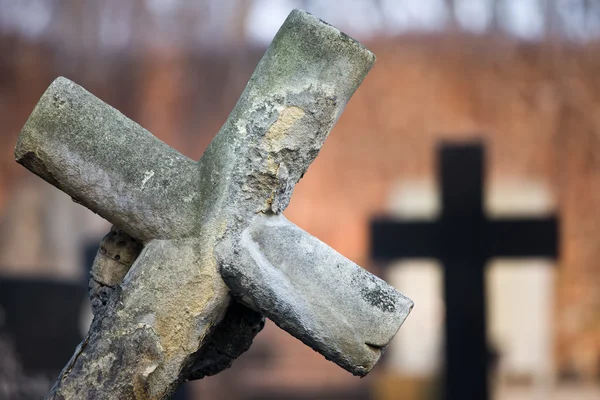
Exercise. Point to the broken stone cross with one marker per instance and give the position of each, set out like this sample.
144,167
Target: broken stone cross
213,230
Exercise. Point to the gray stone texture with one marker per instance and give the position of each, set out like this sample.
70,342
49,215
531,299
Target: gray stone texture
230,338
314,293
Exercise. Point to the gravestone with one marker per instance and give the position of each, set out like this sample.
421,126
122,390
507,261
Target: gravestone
464,239
39,328
217,250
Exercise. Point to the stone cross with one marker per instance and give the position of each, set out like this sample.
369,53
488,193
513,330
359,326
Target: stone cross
213,230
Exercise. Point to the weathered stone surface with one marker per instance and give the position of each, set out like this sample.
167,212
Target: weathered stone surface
110,164
116,255
232,336
315,293
200,220
280,123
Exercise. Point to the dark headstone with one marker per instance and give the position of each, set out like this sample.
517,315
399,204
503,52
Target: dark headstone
39,331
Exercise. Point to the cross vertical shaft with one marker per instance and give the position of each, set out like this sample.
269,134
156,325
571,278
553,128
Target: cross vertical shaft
461,172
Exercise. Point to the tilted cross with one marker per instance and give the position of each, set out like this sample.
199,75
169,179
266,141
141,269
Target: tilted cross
214,227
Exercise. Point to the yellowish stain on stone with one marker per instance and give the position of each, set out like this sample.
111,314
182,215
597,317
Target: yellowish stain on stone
280,128
270,178
198,294
274,141
222,228
272,166
182,330
269,202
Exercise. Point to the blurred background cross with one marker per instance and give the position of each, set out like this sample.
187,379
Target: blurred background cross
464,239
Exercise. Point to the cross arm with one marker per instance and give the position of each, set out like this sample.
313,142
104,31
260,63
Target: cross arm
394,239
314,293
523,237
109,163
294,97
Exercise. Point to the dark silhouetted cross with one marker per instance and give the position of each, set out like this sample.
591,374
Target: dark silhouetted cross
464,239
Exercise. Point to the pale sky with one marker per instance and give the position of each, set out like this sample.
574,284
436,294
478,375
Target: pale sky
35,19
522,18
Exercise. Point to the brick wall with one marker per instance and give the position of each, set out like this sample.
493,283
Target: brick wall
537,108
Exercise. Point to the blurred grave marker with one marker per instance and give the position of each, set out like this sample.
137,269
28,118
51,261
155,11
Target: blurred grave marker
464,239
38,332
